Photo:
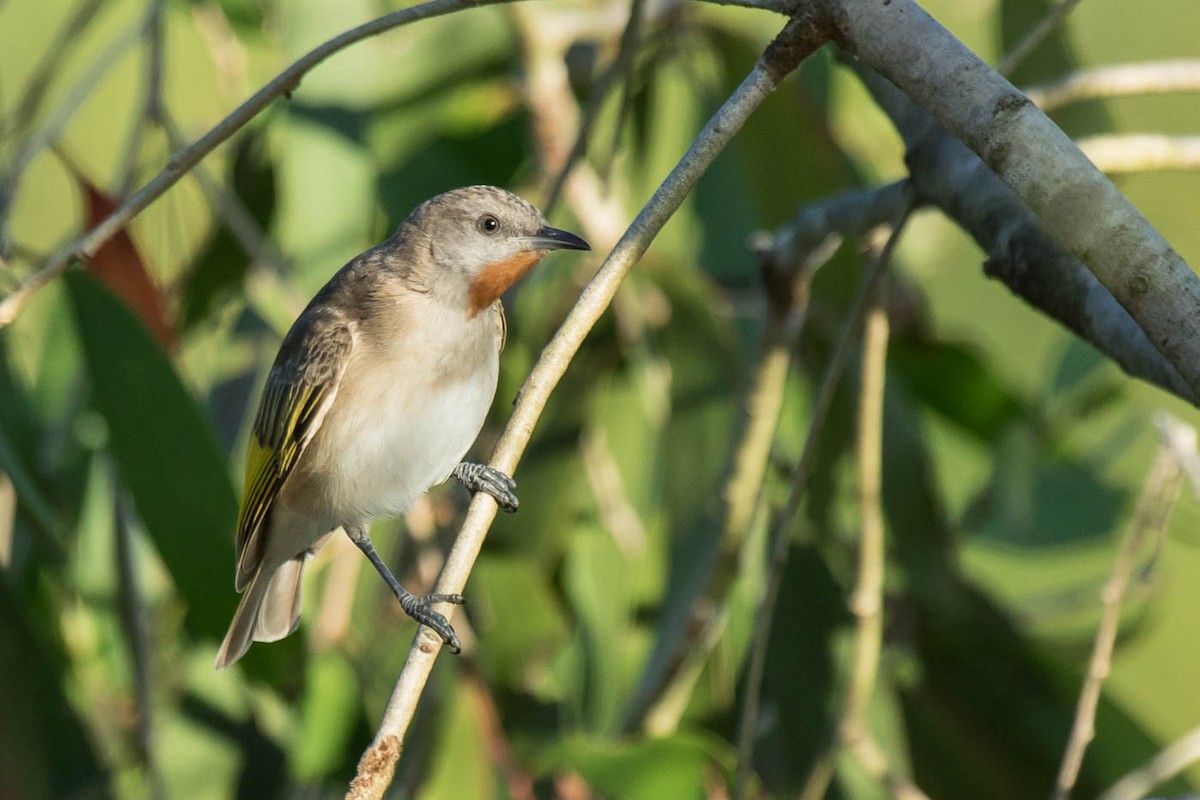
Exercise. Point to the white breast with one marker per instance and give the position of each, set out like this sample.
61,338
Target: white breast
406,413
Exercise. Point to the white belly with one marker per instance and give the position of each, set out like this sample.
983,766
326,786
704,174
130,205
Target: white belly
405,414
390,459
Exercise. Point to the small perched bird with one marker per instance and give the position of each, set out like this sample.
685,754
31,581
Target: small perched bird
379,389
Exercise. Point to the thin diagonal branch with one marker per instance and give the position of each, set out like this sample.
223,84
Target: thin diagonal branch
1036,36
1150,519
1180,755
618,70
781,536
797,40
283,85
37,88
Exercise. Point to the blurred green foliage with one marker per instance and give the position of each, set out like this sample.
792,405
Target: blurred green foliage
1012,453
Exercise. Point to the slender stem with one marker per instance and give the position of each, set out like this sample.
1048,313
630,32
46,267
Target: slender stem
1150,518
283,85
37,88
866,601
795,42
1171,761
1036,36
133,618
618,70
748,722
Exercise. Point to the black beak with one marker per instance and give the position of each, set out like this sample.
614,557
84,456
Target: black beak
548,238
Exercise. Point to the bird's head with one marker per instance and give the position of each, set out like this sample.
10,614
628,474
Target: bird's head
480,240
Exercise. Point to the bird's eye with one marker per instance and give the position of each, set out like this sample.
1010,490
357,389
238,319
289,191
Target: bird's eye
488,224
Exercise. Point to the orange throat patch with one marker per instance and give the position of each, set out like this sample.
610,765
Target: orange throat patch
495,279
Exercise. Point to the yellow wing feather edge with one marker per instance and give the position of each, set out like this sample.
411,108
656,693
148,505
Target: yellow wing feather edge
298,394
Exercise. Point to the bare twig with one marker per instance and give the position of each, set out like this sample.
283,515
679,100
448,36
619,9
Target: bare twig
49,130
788,262
1118,80
283,85
797,40
37,88
866,601
152,101
1036,36
781,536
133,618
1142,152
1150,518
618,70
1168,763
1084,212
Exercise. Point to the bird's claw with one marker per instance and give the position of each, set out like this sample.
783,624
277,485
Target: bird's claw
421,609
482,478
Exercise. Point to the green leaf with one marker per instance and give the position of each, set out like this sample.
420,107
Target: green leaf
165,449
517,617
953,381
44,752
677,767
331,706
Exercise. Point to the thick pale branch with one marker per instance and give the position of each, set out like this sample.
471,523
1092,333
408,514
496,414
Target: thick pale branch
798,39
1020,251
1074,201
284,84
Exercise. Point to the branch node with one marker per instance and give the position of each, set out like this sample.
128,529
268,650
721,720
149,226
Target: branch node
803,34
375,769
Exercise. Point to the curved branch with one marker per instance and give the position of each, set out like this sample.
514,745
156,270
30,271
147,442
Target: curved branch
797,40
182,162
1021,253
1081,209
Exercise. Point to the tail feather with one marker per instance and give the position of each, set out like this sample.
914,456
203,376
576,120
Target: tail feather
269,611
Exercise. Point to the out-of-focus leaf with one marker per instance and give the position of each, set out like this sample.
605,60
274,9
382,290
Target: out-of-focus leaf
597,581
120,267
12,463
487,156
461,766
518,619
1036,502
44,752
986,719
327,718
796,715
953,381
166,452
221,266
679,766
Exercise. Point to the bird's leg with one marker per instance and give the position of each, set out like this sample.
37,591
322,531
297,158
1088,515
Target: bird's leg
415,606
482,478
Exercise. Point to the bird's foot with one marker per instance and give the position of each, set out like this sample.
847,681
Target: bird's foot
420,609
482,478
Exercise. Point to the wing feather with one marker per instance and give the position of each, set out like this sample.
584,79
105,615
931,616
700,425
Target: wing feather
300,389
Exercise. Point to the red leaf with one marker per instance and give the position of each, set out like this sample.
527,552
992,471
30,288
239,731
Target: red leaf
119,266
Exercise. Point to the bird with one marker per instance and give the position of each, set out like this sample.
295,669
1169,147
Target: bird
379,389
